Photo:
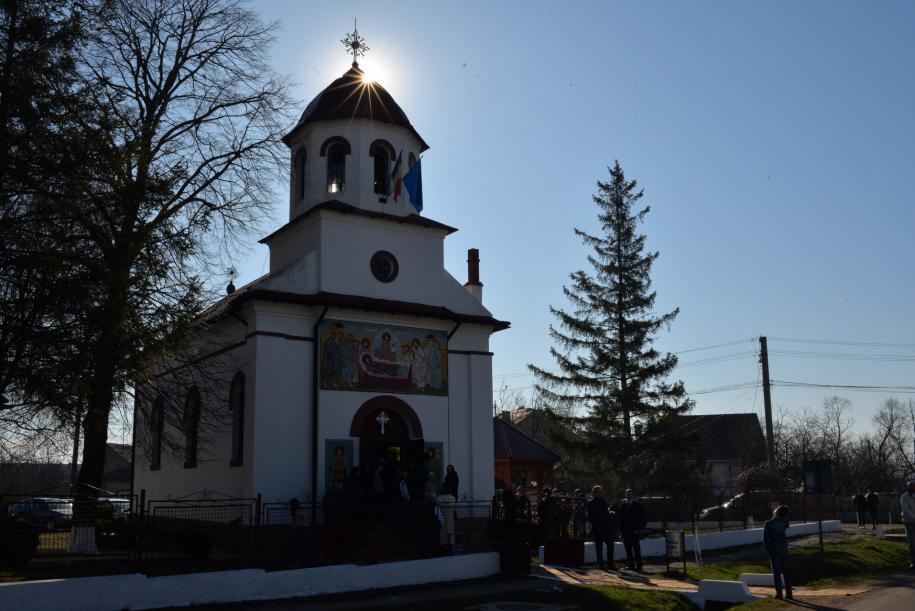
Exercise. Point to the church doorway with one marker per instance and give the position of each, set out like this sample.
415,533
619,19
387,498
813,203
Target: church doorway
390,437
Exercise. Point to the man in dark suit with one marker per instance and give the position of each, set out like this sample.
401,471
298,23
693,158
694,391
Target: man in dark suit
602,528
873,506
632,520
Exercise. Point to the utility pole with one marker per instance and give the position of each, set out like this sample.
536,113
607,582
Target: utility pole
767,400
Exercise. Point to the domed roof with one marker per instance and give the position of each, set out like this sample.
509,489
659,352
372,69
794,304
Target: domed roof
351,97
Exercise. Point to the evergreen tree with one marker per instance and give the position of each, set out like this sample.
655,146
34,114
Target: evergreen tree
608,374
42,159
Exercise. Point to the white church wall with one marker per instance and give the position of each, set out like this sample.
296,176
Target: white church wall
212,376
280,424
458,450
292,244
472,407
348,243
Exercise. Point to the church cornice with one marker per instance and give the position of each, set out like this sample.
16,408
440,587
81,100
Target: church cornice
343,208
366,304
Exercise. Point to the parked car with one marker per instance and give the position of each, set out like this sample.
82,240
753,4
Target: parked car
49,513
758,504
121,507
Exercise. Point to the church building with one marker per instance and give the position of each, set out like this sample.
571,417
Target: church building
356,348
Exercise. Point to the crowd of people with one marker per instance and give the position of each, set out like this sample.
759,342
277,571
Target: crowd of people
604,522
390,481
405,498
865,503
580,516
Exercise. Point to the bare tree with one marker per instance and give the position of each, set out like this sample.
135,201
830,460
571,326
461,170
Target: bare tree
188,141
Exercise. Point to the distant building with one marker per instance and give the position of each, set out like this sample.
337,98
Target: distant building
520,459
729,444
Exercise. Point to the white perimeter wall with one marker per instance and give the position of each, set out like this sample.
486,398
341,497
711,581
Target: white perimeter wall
655,546
115,592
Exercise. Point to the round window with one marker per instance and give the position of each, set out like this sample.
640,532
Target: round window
384,266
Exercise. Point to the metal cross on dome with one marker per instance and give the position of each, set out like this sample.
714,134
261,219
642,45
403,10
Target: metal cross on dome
382,419
355,43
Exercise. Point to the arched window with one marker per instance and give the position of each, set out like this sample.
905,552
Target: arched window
237,408
300,174
191,423
156,425
335,149
383,153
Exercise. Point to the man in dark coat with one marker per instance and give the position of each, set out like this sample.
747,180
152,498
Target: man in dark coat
632,520
873,506
860,504
775,542
602,527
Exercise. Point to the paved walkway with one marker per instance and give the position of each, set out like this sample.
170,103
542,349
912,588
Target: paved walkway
658,581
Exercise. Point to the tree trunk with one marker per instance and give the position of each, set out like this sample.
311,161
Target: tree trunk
105,360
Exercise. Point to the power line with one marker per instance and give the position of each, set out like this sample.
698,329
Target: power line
842,343
733,343
845,356
851,387
717,359
738,386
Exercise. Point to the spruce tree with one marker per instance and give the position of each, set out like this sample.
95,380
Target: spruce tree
608,375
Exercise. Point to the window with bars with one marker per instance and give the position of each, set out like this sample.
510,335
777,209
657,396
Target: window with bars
237,407
300,174
191,423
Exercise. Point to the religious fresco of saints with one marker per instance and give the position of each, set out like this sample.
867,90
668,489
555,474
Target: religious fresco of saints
338,462
433,459
371,357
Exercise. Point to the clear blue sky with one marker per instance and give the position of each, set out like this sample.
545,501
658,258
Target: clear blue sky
775,142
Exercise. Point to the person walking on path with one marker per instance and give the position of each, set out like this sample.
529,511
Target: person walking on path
907,501
873,506
860,504
632,520
775,541
601,527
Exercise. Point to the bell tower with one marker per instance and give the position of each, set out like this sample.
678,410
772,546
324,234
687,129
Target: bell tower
353,145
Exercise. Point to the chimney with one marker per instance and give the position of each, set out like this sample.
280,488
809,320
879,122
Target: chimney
473,285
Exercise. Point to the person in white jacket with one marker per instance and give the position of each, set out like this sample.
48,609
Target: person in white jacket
907,501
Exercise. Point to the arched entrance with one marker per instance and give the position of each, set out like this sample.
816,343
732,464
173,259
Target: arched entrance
389,431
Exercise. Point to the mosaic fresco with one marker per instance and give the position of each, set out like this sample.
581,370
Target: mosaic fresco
383,358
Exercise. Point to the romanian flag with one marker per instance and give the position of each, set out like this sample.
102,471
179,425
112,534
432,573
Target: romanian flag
397,177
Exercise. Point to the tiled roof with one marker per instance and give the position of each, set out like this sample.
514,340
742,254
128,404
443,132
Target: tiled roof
351,97
512,444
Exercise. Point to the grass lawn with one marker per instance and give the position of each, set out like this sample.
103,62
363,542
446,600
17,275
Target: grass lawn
849,560
585,597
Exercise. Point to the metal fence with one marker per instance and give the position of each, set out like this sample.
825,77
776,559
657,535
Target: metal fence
49,536
565,516
48,533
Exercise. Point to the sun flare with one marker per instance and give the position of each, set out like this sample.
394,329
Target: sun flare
376,72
